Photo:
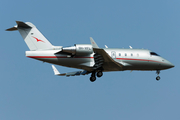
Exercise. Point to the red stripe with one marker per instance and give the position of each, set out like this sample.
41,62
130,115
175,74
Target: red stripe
91,57
137,59
132,59
55,57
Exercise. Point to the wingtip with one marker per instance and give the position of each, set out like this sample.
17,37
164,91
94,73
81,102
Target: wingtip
93,43
56,72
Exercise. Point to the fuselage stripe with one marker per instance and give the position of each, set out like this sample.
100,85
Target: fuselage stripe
92,57
137,59
55,57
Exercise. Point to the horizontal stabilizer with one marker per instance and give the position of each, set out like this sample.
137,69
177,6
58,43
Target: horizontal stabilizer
19,25
22,25
12,29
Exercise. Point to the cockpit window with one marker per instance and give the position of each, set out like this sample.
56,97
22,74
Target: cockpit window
153,53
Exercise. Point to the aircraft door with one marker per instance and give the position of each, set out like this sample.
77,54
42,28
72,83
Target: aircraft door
113,54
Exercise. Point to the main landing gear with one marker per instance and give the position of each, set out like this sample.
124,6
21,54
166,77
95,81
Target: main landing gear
99,74
94,74
158,72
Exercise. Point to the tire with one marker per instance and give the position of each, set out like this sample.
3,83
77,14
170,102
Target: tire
99,74
92,79
157,78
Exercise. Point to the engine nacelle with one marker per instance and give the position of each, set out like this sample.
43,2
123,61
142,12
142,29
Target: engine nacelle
79,49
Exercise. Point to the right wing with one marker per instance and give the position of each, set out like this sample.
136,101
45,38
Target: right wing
56,72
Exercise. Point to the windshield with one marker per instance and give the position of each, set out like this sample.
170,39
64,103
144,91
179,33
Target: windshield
153,53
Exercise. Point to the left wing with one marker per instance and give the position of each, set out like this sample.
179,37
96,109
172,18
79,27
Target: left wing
56,72
109,64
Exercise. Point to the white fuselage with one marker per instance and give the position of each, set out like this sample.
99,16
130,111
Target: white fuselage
131,59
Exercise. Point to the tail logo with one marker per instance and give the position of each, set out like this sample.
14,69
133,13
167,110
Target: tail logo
38,40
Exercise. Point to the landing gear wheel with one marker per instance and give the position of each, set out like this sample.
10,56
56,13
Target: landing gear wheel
157,78
92,78
99,74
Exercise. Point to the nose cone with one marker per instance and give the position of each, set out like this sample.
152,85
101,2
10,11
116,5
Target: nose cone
168,65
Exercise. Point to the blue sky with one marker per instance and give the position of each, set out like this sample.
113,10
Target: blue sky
30,91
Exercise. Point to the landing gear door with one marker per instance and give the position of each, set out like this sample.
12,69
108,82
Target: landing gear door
113,54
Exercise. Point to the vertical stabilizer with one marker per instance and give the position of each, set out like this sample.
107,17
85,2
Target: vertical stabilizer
32,36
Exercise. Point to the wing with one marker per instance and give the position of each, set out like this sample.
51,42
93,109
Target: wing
108,63
56,72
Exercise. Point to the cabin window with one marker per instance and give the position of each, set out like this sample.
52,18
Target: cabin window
138,55
119,54
125,54
131,54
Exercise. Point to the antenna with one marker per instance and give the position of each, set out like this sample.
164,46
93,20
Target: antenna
130,47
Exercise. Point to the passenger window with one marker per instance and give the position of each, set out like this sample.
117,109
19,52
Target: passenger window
119,54
125,54
131,54
138,55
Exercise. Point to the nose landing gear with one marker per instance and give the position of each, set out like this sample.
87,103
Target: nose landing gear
158,72
158,78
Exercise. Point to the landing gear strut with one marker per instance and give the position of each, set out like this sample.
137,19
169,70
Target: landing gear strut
158,72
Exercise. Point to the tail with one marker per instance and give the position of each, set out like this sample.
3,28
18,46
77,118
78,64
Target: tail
32,36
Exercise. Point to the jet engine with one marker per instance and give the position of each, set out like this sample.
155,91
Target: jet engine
79,49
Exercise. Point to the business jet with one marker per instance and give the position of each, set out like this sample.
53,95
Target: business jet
88,57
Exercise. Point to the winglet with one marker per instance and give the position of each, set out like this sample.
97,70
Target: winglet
56,72
93,43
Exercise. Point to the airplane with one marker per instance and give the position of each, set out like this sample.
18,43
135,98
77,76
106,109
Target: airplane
88,57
